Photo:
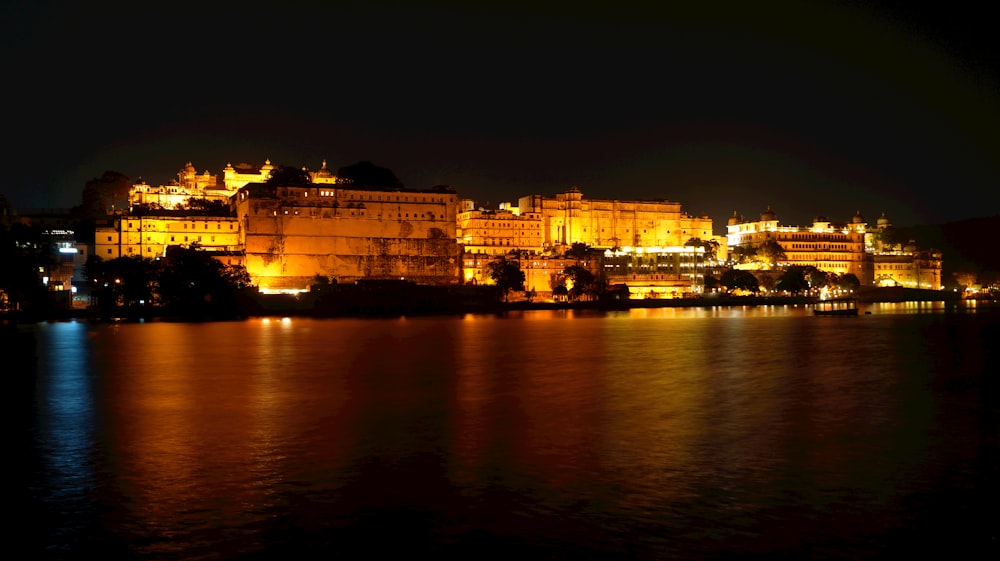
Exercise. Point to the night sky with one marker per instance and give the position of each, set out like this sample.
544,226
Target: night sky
814,108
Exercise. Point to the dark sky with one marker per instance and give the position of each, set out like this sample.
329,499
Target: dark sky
811,107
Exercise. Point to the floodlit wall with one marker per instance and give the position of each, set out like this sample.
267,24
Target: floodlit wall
149,236
568,218
293,233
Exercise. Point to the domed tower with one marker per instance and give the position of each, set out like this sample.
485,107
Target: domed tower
733,220
323,175
768,220
265,170
185,177
820,223
768,215
883,222
858,223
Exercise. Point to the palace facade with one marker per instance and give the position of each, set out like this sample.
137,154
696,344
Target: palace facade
149,236
840,248
190,183
628,234
569,218
291,234
287,235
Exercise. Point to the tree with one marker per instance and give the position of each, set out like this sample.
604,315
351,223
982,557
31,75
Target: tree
122,282
507,275
793,281
848,281
101,195
196,285
816,278
367,174
584,282
207,207
560,291
578,250
770,253
711,247
288,175
735,279
710,282
145,209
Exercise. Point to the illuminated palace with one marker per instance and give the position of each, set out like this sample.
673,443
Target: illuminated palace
290,234
190,183
287,235
644,241
840,248
149,235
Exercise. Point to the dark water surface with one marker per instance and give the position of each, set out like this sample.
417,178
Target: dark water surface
649,434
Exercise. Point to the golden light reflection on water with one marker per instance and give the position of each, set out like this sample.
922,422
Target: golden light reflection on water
634,418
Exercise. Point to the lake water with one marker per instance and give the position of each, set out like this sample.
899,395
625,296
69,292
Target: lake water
675,433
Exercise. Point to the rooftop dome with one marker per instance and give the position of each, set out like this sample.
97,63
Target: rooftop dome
734,220
883,220
323,172
858,219
769,214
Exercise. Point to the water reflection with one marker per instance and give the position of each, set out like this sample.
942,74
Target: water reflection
679,433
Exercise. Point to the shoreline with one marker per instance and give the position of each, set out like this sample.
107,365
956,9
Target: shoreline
316,306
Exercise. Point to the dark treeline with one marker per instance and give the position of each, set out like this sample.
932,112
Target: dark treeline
186,284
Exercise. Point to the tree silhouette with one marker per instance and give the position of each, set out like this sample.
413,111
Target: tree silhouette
288,176
848,281
793,281
584,282
101,195
578,250
735,279
207,207
770,252
367,174
506,275
711,247
193,284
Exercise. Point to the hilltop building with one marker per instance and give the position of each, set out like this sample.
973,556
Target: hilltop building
190,183
569,218
628,234
905,265
841,248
